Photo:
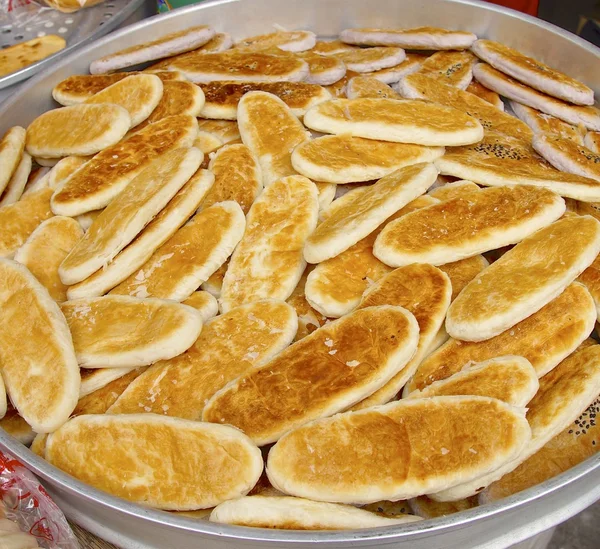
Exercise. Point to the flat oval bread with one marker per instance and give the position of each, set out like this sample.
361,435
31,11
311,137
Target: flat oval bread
347,159
26,53
16,185
463,271
229,346
424,291
563,395
214,283
308,318
425,443
370,59
592,141
177,98
38,366
138,94
222,97
566,155
215,462
288,513
545,338
80,130
320,375
420,86
511,379
129,213
12,146
458,189
394,74
16,426
497,161
96,379
270,130
179,209
190,256
361,87
544,123
452,67
329,47
524,279
64,169
207,143
567,449
20,219
485,220
239,65
119,331
219,42
590,278
323,70
79,87
268,262
45,250
514,90
405,121
104,176
226,130
238,177
486,94
299,40
533,72
165,46
419,38
206,304
361,217
335,286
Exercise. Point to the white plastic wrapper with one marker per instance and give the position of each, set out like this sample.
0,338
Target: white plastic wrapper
25,502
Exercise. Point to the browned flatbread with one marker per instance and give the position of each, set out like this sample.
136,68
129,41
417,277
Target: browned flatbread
24,54
360,351
167,45
419,86
105,176
222,97
79,87
424,443
545,338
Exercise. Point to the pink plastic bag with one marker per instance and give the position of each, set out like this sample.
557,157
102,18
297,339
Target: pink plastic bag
29,505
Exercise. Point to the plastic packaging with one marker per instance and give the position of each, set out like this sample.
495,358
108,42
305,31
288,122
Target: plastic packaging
27,503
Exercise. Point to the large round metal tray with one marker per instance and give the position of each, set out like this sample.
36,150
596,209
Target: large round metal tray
77,29
493,526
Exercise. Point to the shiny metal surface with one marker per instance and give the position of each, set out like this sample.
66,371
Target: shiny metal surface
78,29
494,526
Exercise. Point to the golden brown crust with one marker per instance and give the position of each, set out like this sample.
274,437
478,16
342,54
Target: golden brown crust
230,463
510,289
491,118
423,442
575,444
20,219
237,177
229,346
321,374
104,175
544,338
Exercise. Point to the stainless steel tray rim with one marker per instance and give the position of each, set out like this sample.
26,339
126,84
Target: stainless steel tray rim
437,525
404,533
48,63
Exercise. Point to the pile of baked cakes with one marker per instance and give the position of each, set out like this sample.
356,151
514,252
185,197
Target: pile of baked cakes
301,284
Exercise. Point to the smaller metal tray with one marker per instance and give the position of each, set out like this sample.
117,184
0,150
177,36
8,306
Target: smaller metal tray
76,28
